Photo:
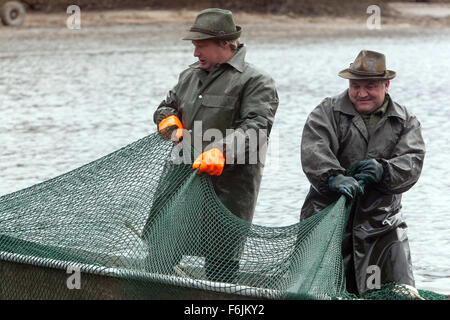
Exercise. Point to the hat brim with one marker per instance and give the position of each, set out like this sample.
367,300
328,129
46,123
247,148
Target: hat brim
346,74
194,35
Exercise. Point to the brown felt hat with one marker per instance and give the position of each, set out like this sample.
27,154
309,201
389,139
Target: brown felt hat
368,65
214,23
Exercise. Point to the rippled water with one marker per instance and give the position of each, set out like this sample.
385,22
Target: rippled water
67,99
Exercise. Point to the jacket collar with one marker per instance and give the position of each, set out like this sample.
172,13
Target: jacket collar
394,110
237,61
344,105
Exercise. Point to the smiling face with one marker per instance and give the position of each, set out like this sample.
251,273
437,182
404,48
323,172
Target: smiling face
367,95
210,53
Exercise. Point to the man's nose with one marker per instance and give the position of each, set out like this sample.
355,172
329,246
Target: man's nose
362,93
196,53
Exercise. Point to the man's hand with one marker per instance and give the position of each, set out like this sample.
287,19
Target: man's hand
348,186
369,171
171,121
211,162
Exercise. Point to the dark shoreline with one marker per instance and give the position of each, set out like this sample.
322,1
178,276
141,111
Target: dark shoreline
296,7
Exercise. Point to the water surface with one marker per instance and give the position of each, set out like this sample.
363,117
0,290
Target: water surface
67,99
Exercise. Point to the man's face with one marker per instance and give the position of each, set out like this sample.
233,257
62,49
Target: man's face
367,95
209,53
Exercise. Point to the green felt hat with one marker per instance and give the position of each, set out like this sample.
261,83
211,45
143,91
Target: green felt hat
214,23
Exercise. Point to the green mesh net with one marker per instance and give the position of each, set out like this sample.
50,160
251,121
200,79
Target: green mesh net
136,225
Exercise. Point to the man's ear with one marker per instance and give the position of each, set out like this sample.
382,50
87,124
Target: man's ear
224,43
386,86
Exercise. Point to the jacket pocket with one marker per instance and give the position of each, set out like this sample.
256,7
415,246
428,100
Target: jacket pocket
213,101
217,112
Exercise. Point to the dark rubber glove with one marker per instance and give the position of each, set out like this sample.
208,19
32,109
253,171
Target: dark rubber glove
348,186
369,171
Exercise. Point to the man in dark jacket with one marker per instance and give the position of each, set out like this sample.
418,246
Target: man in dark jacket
363,135
222,95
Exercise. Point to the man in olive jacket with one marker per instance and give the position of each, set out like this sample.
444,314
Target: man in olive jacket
363,135
222,95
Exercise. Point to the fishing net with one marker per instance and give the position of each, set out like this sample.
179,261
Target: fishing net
141,224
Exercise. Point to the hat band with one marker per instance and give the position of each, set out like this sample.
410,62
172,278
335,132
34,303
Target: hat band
206,31
366,73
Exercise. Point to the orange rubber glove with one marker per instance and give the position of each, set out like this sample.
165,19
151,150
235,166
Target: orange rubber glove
211,162
169,122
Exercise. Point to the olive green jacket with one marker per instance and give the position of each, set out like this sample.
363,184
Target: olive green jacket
233,95
335,137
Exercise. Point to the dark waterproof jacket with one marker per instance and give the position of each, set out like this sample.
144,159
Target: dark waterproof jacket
233,95
335,137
